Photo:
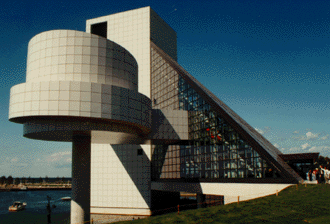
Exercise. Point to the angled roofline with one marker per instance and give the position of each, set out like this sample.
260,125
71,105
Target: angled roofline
252,137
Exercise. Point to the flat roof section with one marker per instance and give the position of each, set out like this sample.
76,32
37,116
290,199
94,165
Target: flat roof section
300,156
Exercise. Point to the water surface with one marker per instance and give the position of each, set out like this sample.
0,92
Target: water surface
35,211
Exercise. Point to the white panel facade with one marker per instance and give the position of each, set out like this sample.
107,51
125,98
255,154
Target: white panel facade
79,99
120,180
230,191
131,30
67,55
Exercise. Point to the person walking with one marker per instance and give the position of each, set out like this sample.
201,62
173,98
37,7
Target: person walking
310,175
326,174
317,175
322,179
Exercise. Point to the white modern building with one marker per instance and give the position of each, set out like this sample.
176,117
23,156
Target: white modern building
143,129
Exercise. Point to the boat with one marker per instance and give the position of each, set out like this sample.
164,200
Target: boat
24,188
66,199
17,206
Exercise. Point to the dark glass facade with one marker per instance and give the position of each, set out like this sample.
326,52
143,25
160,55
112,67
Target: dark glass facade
215,150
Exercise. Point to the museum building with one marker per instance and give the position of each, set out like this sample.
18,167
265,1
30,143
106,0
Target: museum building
143,128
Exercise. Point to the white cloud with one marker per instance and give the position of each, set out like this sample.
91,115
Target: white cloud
295,150
310,136
59,160
313,149
295,132
260,131
62,153
324,150
324,137
289,150
14,166
46,163
283,150
267,129
264,130
59,156
305,146
276,145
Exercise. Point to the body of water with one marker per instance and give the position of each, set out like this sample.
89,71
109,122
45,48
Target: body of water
35,211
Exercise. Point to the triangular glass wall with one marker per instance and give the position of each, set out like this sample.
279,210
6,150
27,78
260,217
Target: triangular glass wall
222,147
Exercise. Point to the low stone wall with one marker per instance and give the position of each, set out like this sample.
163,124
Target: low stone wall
98,218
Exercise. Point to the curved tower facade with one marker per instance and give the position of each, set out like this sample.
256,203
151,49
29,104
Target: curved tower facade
84,82
80,88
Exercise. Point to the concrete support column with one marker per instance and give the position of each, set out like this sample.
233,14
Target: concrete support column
200,199
81,177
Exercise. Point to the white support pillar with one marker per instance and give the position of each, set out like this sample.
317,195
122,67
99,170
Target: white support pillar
81,176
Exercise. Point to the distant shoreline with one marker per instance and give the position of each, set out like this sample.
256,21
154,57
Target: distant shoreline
35,188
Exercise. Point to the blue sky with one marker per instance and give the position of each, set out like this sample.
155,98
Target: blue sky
267,60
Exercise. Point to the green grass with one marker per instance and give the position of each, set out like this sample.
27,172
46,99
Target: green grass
309,204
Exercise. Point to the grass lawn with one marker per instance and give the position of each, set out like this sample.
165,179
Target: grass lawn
309,204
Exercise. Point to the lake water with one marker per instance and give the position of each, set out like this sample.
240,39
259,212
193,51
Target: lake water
35,211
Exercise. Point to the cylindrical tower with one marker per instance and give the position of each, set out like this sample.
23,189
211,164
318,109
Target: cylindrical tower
80,88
